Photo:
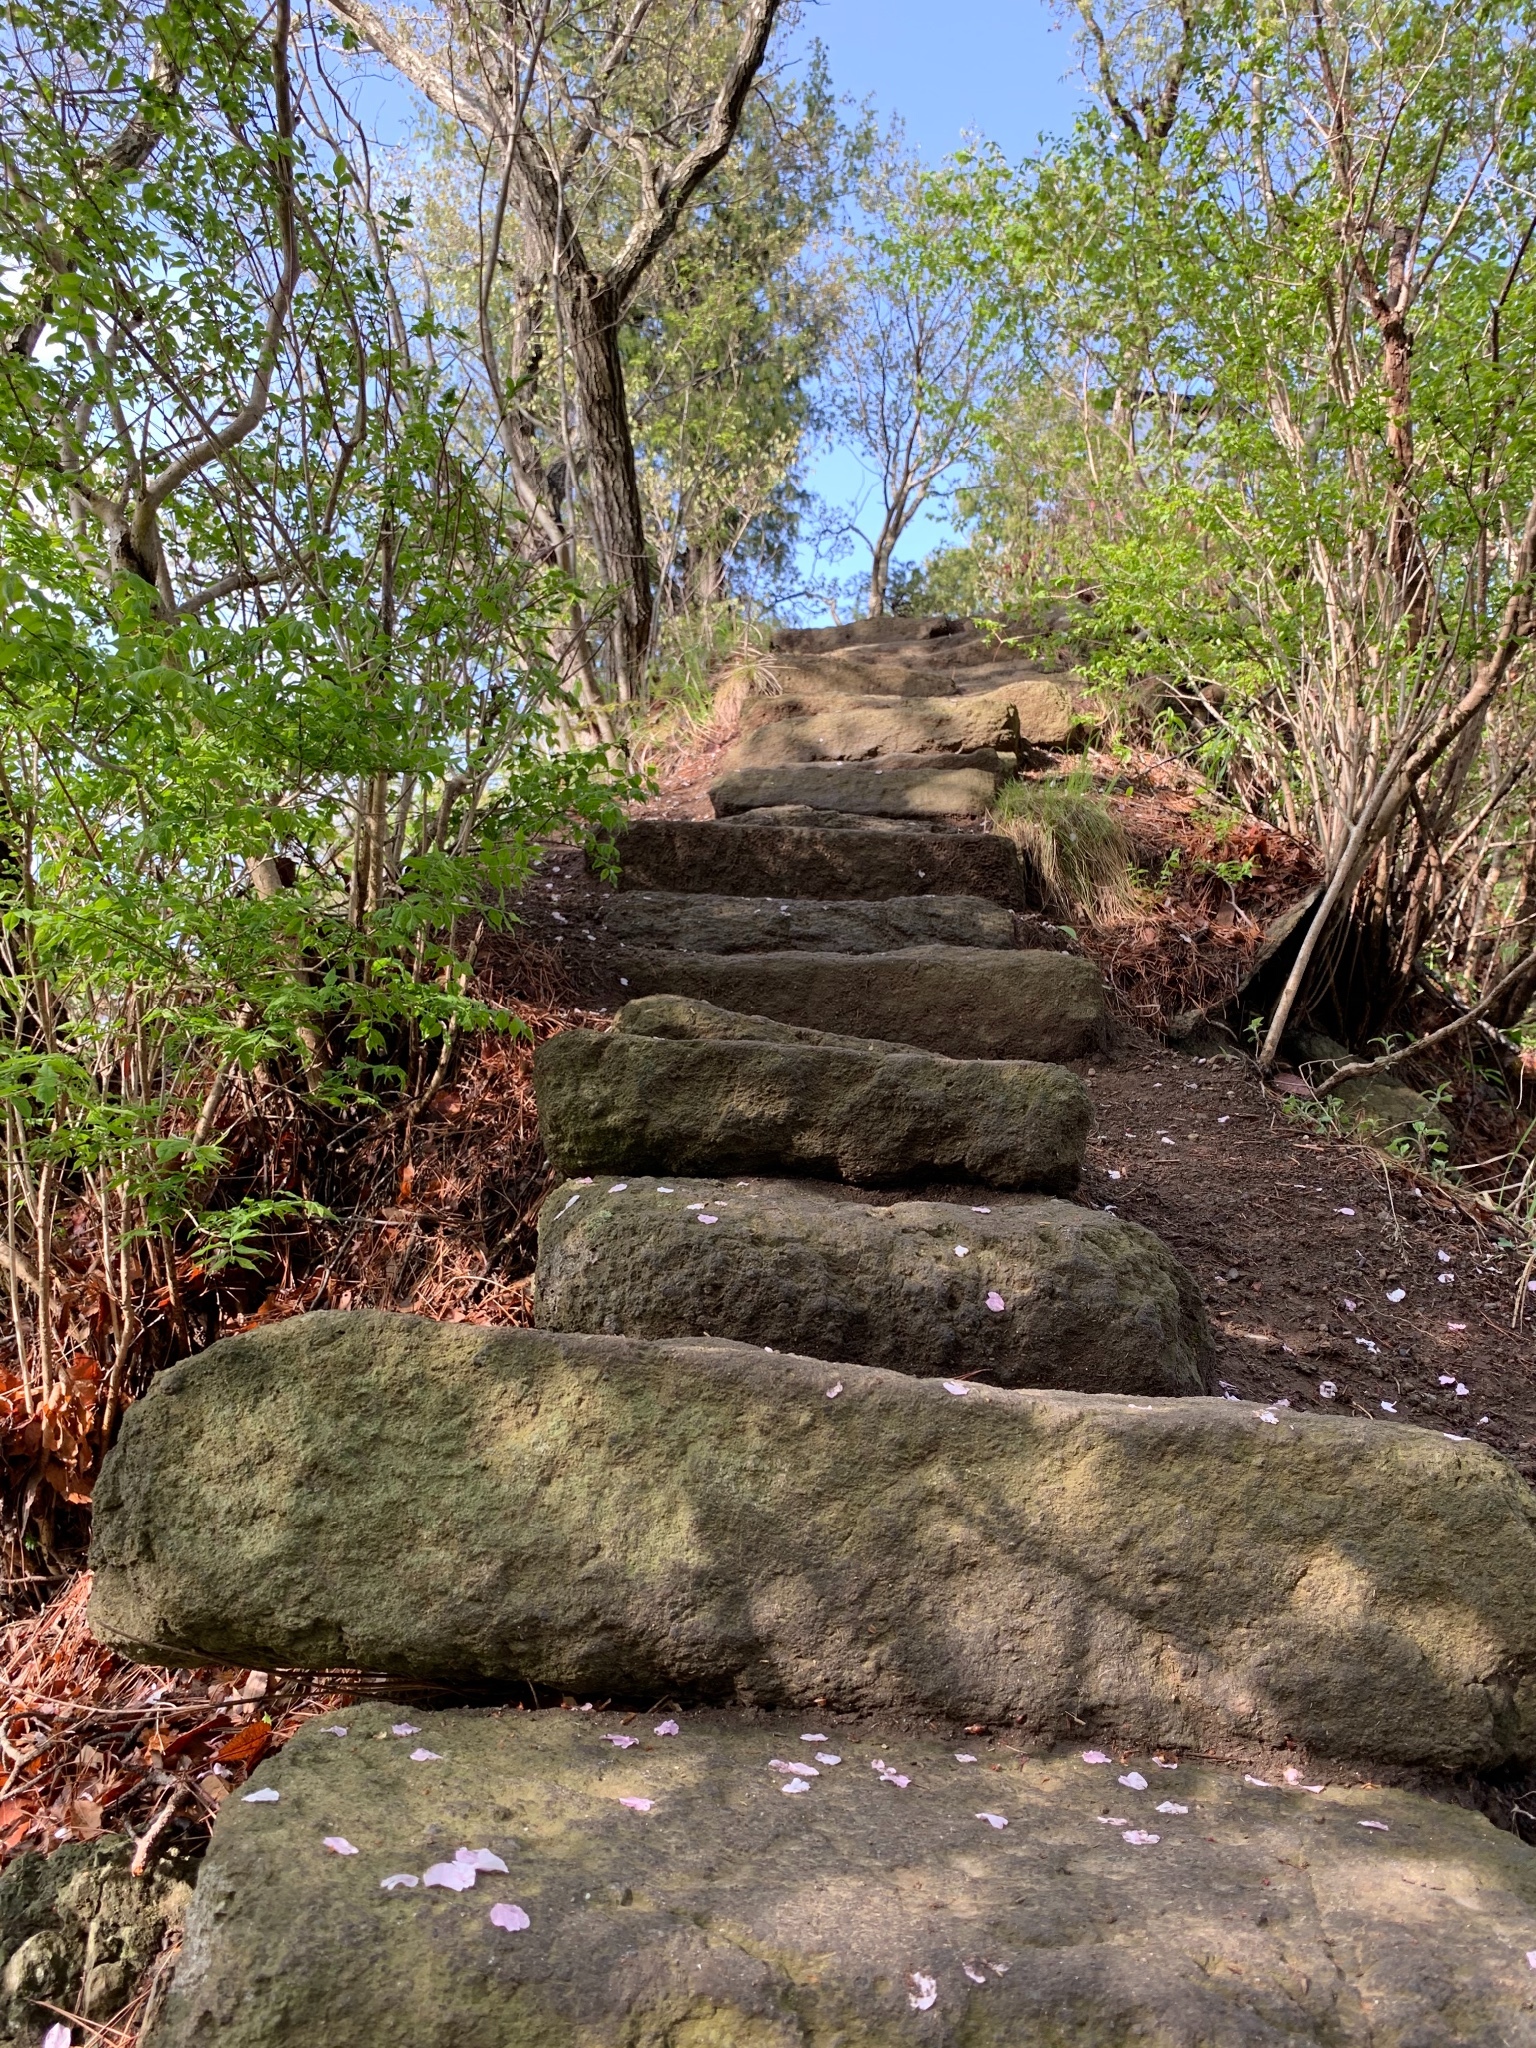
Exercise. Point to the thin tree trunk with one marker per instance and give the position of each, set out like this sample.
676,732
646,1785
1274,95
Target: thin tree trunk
613,492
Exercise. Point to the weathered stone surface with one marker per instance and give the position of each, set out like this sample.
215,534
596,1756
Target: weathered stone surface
854,731
824,676
730,1915
958,786
78,1931
806,816
678,922
621,1102
1034,1293
960,1000
687,1017
627,1519
756,860
883,631
1383,1105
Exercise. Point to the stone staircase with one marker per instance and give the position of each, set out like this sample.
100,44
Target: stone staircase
876,1481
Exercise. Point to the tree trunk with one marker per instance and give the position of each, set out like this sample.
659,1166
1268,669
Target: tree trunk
613,491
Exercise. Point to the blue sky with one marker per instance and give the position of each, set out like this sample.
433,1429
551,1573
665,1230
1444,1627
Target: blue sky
1006,72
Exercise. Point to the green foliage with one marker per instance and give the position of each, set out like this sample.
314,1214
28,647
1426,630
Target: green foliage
278,719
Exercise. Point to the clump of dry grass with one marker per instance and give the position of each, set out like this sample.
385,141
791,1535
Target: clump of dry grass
1077,848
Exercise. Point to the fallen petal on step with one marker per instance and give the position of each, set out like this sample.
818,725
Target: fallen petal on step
834,1390
813,1738
1094,1756
996,1303
1344,1212
405,1880
1397,1294
1138,1836
1268,1415
963,1756
1455,1326
977,1210
339,1845
1170,1806
1389,1407
1113,1820
333,1731
425,1756
405,1728
709,1219
955,1387
1133,1781
667,1728
620,1187
638,1805
795,1785
267,1796
620,1741
1461,1391
480,1859
823,1757
58,2036
513,1918
962,1251
451,1877
1530,1957
924,1991
979,1976
1263,1783
1164,1765
1380,1826
993,1820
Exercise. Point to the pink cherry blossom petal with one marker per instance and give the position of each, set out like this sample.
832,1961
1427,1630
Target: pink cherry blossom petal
1171,1806
58,2036
822,1757
513,1918
620,1741
795,1785
996,1303
452,1877
1133,1781
267,1796
924,1991
1380,1826
402,1879
405,1728
1112,1820
479,1859
667,1728
834,1390
993,1820
1094,1756
954,1386
340,1845
638,1805
425,1756
1139,1837
963,1756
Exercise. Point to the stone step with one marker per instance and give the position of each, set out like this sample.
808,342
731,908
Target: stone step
853,731
623,1519
624,1102
1026,1293
961,786
884,631
878,1905
960,1000
943,672
753,858
679,922
805,816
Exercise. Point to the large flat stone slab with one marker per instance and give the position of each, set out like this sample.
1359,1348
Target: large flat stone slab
630,1520
960,1000
731,1915
790,860
855,732
629,1103
1034,1293
678,922
961,786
